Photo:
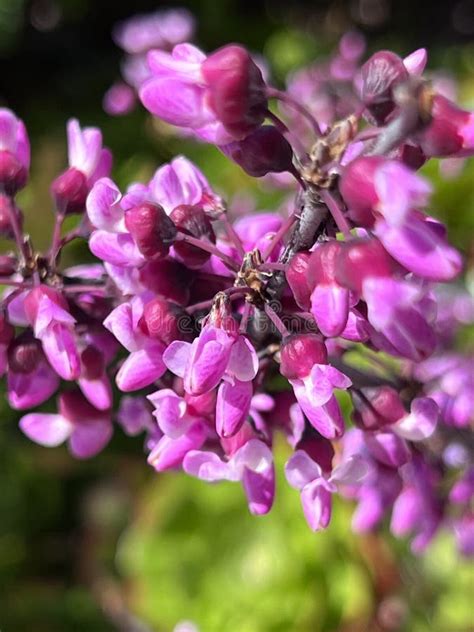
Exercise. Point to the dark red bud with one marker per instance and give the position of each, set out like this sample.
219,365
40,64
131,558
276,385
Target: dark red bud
8,265
358,190
377,407
24,354
93,363
263,151
297,277
299,353
443,137
411,155
319,449
192,220
7,331
152,230
69,191
35,296
362,259
165,321
168,278
75,407
13,175
237,91
322,263
380,74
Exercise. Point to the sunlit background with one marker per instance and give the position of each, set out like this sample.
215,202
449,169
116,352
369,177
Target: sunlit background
108,544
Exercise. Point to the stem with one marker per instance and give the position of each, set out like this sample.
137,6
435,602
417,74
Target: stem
270,266
73,289
336,211
232,292
13,219
287,98
276,320
56,238
208,247
232,235
248,309
281,127
281,232
20,284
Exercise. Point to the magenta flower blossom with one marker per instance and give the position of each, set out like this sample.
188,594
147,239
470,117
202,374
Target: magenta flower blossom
48,314
304,474
14,152
86,429
88,161
144,364
251,464
222,96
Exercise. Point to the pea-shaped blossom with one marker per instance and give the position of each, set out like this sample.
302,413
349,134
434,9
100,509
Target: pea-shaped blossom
220,97
14,152
304,363
251,464
144,364
88,161
316,488
47,312
86,429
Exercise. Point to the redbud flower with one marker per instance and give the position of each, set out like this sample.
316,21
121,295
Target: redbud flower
14,153
86,429
450,132
222,97
192,220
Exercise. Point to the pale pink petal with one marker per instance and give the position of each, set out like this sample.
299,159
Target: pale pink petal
46,429
90,437
59,346
301,470
317,504
103,207
175,101
141,368
243,361
421,422
353,470
26,390
232,406
98,391
169,412
116,248
120,323
416,62
330,308
208,467
176,357
169,453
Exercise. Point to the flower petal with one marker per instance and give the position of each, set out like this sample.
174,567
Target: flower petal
46,429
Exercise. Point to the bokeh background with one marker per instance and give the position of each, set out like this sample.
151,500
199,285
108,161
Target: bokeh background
109,545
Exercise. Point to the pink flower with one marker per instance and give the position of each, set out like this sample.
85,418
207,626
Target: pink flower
252,464
222,97
14,152
316,489
86,429
47,312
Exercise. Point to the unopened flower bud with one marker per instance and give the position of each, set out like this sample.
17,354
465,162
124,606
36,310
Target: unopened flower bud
24,353
13,175
169,278
451,131
263,151
152,230
299,353
192,220
164,321
7,207
380,74
8,265
69,191
237,92
361,259
297,277
377,407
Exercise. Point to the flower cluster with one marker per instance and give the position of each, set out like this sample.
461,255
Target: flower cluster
226,333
